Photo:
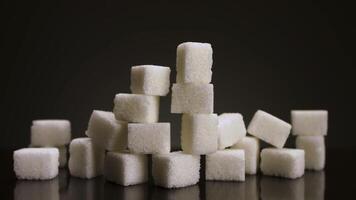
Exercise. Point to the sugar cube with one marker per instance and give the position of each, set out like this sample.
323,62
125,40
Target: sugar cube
192,98
199,133
175,169
269,129
191,193
106,132
285,162
50,133
136,108
126,168
36,163
225,165
45,189
309,122
314,147
273,188
231,129
86,159
149,138
150,80
251,147
194,62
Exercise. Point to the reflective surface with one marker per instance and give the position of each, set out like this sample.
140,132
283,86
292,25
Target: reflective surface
313,185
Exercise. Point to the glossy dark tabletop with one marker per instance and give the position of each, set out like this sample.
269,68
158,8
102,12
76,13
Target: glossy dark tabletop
336,181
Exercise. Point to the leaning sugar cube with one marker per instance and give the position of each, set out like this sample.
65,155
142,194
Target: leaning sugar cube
226,165
50,133
136,108
231,129
269,129
86,159
192,98
175,169
106,131
314,147
194,62
150,80
199,133
309,122
287,163
252,151
36,163
126,168
149,138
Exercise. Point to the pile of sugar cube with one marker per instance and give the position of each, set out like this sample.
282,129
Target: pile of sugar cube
118,143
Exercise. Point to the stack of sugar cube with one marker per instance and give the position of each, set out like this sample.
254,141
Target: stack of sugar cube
310,127
46,152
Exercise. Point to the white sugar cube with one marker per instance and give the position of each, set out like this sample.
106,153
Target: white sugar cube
251,147
62,156
149,138
48,189
225,165
309,122
231,129
86,160
269,129
314,147
192,98
273,188
136,108
194,62
126,168
175,169
36,163
285,162
106,131
150,80
50,133
199,133
187,193
225,190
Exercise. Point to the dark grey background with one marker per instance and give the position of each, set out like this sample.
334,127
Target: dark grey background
62,60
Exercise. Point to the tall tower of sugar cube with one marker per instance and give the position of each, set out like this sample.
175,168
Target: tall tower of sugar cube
193,96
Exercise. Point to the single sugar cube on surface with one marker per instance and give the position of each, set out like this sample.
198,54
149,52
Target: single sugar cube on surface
199,133
251,146
194,62
231,129
36,163
175,169
86,159
136,108
151,138
314,147
126,168
192,98
50,133
225,165
288,163
309,122
269,129
150,80
106,132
